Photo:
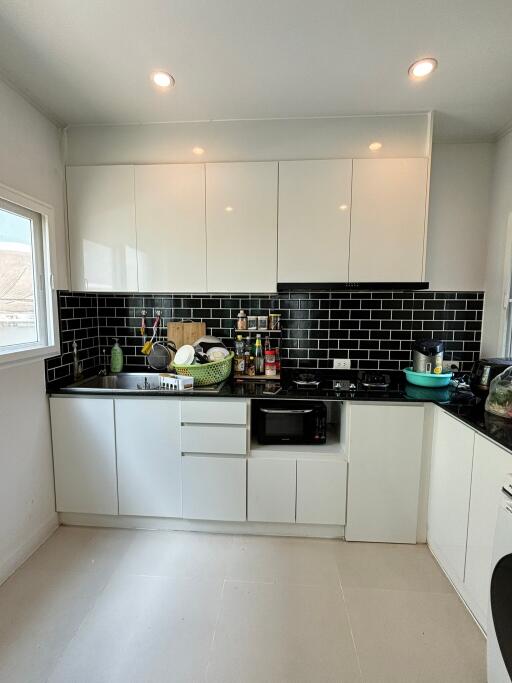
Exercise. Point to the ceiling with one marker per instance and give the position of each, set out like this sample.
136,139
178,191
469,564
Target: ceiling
89,62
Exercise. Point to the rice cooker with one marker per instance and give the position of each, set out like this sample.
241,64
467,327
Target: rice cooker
427,356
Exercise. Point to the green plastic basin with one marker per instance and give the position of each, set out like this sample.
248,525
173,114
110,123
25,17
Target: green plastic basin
426,379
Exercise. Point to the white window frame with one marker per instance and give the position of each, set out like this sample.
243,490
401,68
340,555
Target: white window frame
47,297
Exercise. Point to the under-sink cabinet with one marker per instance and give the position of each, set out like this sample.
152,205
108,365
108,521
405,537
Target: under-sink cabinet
148,457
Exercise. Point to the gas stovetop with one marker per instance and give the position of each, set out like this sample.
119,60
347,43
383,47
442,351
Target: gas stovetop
365,382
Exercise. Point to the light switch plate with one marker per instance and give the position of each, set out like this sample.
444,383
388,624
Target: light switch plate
341,364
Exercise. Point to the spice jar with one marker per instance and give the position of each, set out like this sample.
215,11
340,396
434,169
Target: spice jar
241,320
252,322
262,322
275,321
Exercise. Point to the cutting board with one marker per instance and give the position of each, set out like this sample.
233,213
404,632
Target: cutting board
185,332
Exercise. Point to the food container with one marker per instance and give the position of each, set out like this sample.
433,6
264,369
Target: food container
499,400
262,322
275,321
252,322
241,320
270,369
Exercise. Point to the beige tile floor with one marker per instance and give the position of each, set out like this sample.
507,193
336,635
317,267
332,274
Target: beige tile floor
114,606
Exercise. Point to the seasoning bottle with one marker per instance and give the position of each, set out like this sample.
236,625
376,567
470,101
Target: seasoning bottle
239,355
259,362
251,369
278,360
241,320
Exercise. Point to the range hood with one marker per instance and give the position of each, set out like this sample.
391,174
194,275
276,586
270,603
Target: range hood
351,286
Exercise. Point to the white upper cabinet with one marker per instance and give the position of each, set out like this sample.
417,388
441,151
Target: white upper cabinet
314,220
171,234
387,241
101,216
241,227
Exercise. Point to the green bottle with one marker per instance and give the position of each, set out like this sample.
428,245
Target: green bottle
116,357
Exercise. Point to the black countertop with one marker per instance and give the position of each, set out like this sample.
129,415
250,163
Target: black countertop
461,404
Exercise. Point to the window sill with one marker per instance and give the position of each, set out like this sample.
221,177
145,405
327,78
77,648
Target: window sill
30,355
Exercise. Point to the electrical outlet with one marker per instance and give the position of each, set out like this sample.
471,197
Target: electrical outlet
341,364
451,366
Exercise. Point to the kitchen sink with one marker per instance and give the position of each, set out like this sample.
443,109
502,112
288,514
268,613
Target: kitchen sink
130,382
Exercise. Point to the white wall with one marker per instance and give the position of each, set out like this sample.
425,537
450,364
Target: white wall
458,223
31,162
501,213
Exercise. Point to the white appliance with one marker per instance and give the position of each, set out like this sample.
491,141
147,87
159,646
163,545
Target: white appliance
499,632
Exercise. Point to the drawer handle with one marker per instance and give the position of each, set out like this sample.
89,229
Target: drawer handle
272,411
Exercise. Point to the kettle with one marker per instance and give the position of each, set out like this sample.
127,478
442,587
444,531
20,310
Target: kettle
427,356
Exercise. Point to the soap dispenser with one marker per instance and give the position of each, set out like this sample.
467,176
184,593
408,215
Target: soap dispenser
116,357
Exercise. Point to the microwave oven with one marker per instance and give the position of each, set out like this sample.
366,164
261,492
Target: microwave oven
293,422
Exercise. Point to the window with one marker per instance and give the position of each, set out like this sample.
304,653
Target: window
26,298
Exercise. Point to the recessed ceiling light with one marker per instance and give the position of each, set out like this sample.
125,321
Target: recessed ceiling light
375,146
422,68
198,151
229,209
343,207
162,79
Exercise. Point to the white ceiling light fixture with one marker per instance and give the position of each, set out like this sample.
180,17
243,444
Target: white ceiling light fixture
198,151
343,207
229,209
422,68
163,79
375,146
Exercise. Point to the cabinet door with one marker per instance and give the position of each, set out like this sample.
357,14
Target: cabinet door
214,488
450,485
171,230
314,220
148,457
321,491
84,455
271,486
388,220
491,465
101,217
241,227
385,449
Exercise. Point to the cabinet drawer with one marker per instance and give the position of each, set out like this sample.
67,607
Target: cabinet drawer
214,439
214,412
214,488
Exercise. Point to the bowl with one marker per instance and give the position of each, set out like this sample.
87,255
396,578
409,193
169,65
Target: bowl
427,379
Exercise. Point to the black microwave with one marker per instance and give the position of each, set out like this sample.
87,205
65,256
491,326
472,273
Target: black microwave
293,422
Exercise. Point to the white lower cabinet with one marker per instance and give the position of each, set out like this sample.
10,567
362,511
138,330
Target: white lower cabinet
84,455
148,457
450,487
385,453
271,486
491,465
213,438
321,491
214,487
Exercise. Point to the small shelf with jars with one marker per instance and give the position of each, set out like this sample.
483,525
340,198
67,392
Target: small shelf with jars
258,347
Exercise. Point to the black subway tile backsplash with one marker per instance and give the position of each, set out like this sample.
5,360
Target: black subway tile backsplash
374,329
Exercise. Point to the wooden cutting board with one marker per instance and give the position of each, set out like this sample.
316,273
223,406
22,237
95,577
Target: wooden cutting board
185,332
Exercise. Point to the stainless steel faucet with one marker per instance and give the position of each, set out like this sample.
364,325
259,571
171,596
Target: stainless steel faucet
103,370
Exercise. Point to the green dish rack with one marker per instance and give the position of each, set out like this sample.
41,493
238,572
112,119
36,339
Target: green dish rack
209,373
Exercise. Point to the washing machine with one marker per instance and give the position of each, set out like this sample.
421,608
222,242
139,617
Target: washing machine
499,631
